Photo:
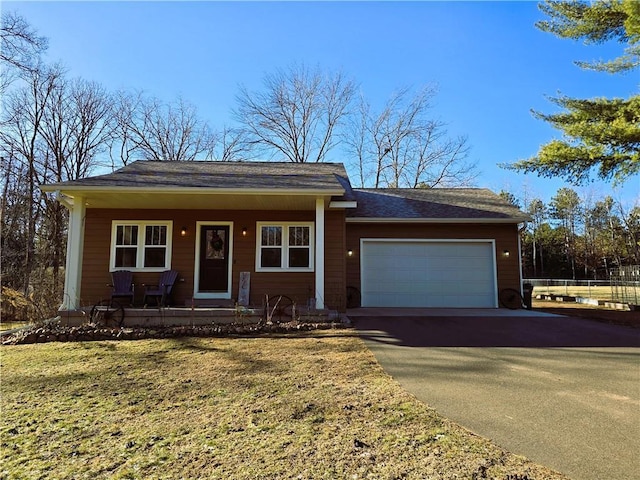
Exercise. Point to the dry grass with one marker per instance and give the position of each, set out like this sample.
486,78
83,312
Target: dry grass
4,326
591,312
312,406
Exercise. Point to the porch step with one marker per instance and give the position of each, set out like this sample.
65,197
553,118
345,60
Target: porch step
210,303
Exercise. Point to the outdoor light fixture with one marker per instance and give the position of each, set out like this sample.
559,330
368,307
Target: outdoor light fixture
244,231
349,253
505,253
183,231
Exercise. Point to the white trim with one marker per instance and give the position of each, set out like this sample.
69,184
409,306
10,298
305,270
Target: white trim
490,241
343,204
141,224
310,192
64,200
319,249
196,269
75,249
520,259
285,247
495,272
433,220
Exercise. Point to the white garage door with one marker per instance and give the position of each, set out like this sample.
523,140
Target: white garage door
428,274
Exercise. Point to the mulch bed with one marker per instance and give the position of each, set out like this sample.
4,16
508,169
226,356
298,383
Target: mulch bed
54,332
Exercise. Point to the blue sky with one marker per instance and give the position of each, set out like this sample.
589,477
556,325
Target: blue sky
489,62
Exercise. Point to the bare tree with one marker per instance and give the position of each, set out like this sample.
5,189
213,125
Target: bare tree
20,48
25,152
78,122
296,116
231,145
75,128
149,129
402,147
16,210
538,212
357,141
20,147
631,237
52,129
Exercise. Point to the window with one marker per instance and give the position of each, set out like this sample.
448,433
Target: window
271,247
285,247
141,245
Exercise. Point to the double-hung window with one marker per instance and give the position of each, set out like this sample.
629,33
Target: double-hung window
284,246
137,245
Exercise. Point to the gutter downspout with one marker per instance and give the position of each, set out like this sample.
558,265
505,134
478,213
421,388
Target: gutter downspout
520,229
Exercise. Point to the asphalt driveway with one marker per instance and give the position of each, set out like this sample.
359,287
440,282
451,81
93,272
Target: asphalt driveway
564,392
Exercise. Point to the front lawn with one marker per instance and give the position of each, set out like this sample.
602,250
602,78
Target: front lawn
308,406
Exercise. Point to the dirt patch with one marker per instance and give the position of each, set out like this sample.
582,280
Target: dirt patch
591,312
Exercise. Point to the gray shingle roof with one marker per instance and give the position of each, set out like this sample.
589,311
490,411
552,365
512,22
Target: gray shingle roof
432,203
390,203
220,175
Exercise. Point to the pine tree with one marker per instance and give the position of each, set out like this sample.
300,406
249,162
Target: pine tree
599,133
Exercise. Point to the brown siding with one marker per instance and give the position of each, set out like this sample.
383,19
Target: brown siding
298,285
335,260
505,236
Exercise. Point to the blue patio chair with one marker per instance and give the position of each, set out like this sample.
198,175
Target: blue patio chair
122,285
161,291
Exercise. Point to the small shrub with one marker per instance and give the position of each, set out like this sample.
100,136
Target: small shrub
14,306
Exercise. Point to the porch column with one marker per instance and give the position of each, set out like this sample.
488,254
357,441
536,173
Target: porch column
75,247
319,263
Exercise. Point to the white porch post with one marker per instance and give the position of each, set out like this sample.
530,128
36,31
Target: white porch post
319,264
75,247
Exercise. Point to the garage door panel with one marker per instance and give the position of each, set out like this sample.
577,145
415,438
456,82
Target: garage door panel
474,263
477,289
477,271
414,275
428,274
442,263
471,251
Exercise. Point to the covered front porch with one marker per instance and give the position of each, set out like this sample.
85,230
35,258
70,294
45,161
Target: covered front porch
236,232
206,273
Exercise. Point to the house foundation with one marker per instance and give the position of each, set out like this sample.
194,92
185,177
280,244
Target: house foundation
197,316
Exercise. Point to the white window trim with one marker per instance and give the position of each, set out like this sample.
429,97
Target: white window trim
285,246
142,224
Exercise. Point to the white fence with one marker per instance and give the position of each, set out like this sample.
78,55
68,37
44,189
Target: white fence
625,284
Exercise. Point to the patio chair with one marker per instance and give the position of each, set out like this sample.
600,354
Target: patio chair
122,285
161,291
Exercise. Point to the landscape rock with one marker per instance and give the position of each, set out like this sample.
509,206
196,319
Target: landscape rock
54,332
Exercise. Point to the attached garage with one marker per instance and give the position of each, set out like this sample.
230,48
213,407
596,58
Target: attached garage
431,247
428,273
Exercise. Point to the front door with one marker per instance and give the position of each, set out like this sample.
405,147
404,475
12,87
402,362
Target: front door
213,275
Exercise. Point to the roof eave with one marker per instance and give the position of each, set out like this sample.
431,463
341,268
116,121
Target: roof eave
511,220
189,190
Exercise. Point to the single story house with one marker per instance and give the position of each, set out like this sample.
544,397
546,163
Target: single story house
299,229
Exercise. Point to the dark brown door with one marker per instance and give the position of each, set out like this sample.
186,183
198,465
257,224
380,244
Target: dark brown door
214,258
